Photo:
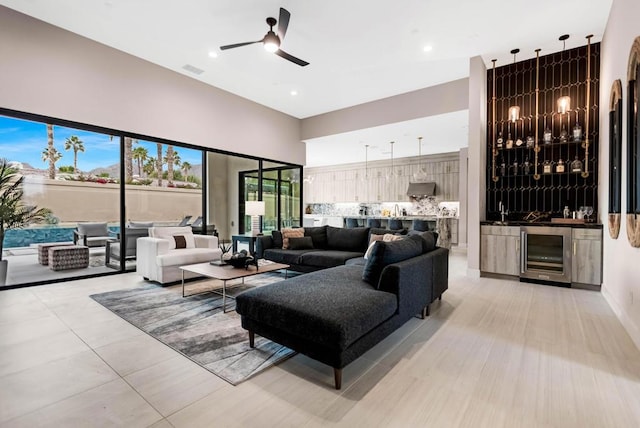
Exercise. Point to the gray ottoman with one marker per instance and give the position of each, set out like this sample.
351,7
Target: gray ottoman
68,257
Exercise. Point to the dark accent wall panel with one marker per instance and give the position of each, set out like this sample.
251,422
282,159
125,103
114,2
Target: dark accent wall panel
560,74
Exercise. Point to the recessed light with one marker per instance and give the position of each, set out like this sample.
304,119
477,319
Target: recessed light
428,48
294,93
213,54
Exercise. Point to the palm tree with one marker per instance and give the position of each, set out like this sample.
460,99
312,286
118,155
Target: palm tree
128,161
169,161
77,145
159,163
52,154
150,166
13,213
140,155
186,166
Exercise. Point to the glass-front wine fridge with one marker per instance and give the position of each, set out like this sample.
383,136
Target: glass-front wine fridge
546,253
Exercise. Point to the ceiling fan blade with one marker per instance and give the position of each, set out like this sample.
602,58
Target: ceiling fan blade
237,45
291,58
283,22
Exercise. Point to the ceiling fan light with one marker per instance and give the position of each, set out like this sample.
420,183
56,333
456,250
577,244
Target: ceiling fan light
270,47
271,42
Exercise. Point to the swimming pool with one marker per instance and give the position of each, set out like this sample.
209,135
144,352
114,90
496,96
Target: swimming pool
37,235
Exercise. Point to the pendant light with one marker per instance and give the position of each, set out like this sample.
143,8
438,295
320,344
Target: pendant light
392,173
514,111
421,175
564,102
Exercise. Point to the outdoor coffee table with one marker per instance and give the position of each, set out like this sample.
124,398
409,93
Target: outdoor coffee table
227,273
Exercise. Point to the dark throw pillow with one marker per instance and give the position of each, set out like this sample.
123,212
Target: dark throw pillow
386,253
181,242
305,243
276,235
429,240
318,235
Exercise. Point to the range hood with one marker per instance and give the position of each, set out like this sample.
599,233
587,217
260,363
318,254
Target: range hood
417,190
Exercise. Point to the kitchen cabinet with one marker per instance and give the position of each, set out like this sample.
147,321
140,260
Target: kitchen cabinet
500,249
586,261
347,183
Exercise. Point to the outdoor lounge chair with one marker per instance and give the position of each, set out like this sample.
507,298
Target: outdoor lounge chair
113,249
91,234
184,221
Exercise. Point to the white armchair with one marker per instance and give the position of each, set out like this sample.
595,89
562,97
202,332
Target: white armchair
160,255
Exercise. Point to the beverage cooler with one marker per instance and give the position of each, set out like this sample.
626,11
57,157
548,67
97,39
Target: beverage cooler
546,253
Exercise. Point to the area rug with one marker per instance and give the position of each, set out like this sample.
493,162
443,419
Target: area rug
196,326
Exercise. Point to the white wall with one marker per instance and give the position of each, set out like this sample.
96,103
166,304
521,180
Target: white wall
50,71
434,100
621,281
476,188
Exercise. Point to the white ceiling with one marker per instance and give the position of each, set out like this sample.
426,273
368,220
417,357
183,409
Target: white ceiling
440,134
359,50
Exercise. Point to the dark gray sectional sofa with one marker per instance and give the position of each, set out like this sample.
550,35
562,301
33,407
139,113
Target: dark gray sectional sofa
337,314
331,246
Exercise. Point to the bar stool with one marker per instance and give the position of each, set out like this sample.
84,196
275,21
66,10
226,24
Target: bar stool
374,222
394,224
420,225
351,222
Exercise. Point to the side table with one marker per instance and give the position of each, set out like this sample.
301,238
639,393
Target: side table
250,239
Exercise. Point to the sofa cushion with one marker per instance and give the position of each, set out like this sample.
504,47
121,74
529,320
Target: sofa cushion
291,233
276,236
340,309
304,243
187,256
429,240
385,253
318,235
327,258
289,257
354,239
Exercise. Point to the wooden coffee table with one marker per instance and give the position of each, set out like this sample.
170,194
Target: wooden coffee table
227,273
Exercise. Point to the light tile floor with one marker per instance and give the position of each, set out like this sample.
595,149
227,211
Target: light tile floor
493,353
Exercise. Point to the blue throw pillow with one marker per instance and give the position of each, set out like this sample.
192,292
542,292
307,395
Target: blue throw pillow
386,253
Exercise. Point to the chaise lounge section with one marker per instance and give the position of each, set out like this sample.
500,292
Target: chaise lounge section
337,314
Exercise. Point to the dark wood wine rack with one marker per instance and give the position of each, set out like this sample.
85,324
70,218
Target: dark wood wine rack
560,74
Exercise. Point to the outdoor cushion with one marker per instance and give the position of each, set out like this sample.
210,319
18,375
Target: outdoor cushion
93,229
385,253
341,309
355,239
140,224
327,258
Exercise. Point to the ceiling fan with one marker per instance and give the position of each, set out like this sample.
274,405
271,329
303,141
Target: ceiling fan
272,40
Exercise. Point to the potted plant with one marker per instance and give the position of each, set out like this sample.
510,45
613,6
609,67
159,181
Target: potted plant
13,213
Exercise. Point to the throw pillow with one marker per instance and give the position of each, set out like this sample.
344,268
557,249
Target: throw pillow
291,233
276,236
386,253
429,240
180,241
388,237
373,238
304,243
